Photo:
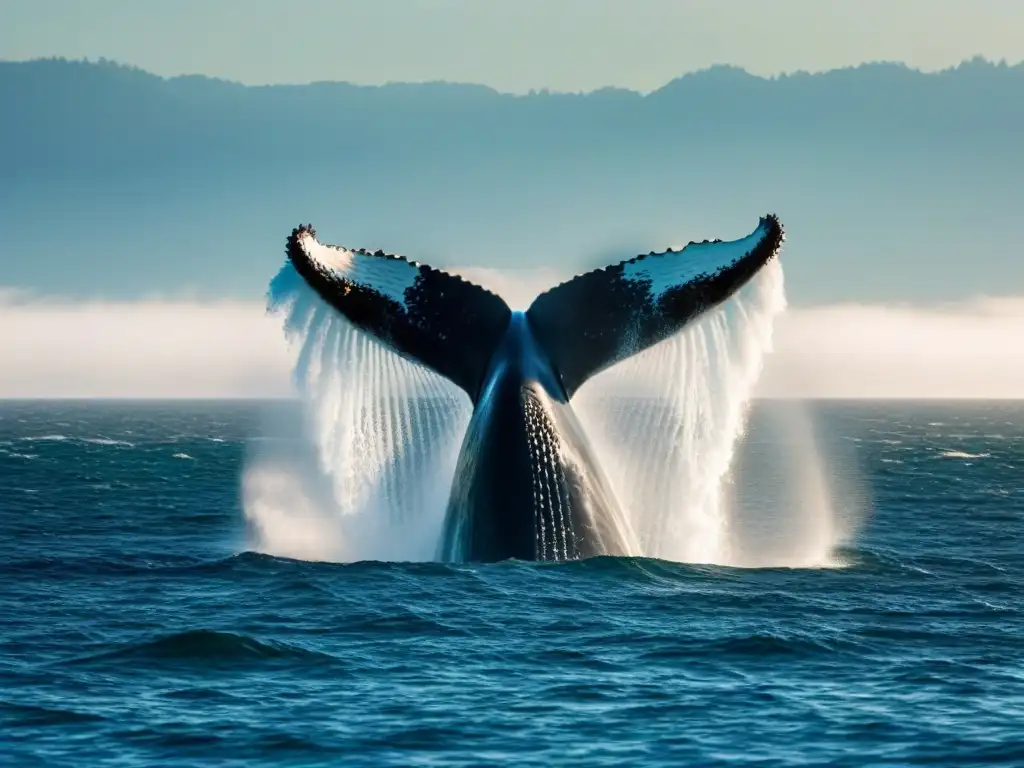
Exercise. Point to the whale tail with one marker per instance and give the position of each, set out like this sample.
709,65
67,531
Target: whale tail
584,325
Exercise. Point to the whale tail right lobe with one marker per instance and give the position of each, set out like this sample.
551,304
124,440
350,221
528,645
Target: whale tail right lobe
602,317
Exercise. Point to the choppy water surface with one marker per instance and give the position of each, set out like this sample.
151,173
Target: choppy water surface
136,630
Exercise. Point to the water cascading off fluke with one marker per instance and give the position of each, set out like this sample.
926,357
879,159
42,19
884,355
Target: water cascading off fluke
668,421
381,436
384,433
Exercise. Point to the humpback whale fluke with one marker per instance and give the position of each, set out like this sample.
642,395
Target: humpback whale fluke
527,484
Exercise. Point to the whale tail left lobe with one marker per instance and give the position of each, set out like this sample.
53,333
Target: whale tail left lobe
447,324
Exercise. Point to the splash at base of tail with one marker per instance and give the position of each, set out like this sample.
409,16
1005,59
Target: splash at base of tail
527,483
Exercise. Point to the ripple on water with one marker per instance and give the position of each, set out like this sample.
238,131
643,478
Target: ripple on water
137,631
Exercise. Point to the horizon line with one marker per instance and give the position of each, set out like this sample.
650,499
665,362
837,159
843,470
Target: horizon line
101,61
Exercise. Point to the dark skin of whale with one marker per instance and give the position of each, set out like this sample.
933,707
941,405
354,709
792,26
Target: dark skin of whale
527,484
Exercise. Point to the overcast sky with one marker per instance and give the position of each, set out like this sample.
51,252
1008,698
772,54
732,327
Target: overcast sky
513,45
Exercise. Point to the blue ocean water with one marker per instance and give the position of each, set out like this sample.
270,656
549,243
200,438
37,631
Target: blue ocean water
136,630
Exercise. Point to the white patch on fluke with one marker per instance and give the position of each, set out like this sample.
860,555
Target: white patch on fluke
390,277
672,269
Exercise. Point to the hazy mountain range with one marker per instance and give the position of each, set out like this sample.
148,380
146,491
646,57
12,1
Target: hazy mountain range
893,184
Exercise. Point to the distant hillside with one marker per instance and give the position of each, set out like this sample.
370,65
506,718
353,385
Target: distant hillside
894,184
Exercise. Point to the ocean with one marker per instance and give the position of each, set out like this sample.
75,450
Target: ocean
138,629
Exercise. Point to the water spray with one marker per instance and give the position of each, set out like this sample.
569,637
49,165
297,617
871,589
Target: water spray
381,437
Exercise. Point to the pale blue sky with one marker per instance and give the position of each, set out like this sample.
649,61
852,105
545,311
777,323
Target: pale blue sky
514,46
